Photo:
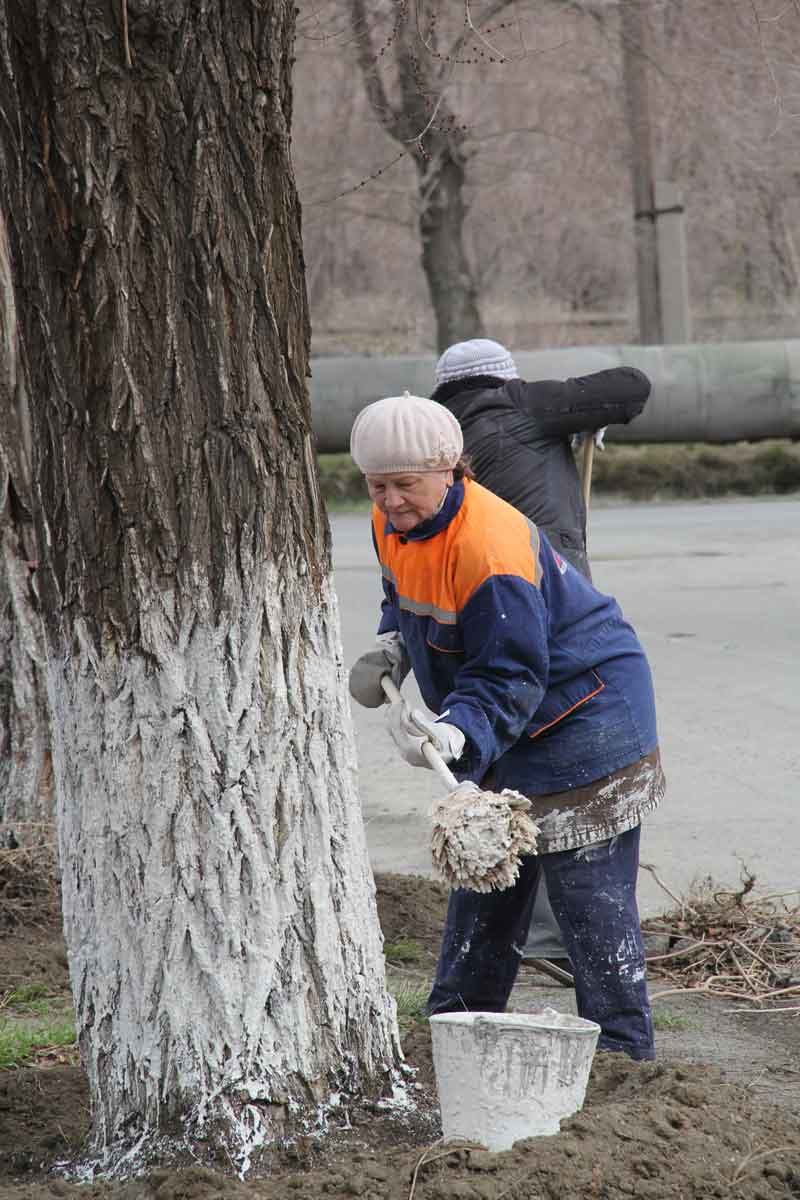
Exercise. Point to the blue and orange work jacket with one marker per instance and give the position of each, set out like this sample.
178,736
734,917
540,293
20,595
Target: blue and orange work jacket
507,641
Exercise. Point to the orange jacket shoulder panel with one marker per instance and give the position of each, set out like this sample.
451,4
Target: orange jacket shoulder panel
494,539
439,575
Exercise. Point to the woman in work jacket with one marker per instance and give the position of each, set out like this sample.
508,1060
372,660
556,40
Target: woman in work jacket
518,434
540,685
518,438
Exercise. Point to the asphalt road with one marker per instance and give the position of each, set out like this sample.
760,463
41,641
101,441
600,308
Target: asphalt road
712,590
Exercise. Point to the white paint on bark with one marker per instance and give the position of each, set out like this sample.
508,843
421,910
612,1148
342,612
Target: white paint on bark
219,908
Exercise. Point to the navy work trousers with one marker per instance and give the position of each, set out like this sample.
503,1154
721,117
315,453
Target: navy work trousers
593,895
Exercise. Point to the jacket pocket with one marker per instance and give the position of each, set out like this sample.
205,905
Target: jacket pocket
445,638
565,699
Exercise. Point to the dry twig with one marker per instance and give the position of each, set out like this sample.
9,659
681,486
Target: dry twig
757,1156
30,880
681,903
731,944
452,1145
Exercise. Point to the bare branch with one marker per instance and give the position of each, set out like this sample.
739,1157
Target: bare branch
376,92
470,24
492,11
358,186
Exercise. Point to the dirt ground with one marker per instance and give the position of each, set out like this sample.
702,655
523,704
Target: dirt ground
715,1116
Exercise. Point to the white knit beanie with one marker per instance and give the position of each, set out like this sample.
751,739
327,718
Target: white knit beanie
405,433
479,356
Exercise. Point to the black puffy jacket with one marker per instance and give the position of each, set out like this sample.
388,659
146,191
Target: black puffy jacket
517,437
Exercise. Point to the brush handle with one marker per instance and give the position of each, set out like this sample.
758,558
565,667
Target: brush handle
586,468
390,689
429,751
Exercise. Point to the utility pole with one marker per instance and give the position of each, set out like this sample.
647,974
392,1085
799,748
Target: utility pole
673,263
634,69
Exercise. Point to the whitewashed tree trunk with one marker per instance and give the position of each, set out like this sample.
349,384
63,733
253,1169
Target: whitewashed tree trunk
224,949
219,909
26,790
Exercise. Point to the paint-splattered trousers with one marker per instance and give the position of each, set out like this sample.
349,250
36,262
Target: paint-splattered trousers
592,892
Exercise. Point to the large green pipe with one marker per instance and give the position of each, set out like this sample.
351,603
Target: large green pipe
703,392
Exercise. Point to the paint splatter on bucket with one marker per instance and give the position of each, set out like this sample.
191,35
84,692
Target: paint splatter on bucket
506,1076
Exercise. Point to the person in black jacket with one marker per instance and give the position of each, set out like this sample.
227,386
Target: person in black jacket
518,442
517,435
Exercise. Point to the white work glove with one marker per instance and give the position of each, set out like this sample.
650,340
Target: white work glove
387,657
410,729
578,439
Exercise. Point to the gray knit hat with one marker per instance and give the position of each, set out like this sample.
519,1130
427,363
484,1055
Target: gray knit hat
405,433
479,356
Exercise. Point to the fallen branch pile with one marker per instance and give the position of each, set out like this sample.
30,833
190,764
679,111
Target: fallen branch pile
730,944
29,879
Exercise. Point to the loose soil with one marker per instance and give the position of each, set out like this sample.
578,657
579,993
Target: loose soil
715,1116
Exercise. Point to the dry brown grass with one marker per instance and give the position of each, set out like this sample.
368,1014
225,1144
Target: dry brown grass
651,472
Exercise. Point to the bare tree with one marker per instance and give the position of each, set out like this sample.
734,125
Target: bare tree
219,910
547,190
415,112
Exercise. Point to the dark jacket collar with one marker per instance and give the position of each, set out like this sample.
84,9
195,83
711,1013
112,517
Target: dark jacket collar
467,383
435,524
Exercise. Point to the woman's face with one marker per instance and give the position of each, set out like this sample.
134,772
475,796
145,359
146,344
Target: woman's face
408,499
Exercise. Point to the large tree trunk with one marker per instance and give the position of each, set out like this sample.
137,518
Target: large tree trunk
26,791
442,214
219,910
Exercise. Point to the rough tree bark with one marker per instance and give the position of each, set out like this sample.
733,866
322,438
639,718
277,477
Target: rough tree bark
219,910
26,781
439,156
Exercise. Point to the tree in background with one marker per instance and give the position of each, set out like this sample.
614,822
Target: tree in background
413,109
219,910
447,83
548,227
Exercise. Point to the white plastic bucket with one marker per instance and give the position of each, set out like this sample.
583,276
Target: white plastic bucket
506,1076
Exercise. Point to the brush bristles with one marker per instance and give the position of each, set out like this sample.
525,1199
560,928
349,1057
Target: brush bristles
479,838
